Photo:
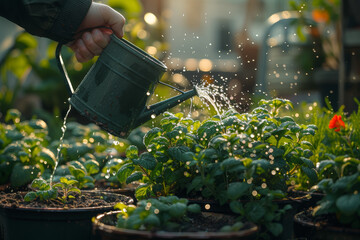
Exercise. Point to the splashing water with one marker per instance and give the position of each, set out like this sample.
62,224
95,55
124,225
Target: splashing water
215,96
63,129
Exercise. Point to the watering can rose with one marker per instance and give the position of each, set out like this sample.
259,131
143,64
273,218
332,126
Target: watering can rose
336,123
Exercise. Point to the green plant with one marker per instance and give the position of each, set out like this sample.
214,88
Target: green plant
245,160
164,213
44,191
342,199
24,154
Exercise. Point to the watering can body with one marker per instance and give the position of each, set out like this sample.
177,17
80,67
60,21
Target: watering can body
115,92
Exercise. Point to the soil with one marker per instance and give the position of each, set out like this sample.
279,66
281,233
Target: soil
205,222
87,199
318,221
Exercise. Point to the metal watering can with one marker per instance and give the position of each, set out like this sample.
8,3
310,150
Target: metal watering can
115,91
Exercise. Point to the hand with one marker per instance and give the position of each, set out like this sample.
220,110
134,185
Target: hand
92,42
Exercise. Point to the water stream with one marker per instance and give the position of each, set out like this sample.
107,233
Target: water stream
63,129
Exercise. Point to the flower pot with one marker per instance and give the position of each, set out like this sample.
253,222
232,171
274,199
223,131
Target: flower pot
51,223
104,229
305,227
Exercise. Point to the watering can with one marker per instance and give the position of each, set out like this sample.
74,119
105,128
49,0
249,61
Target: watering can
115,91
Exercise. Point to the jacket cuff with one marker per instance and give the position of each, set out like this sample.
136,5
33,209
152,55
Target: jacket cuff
69,20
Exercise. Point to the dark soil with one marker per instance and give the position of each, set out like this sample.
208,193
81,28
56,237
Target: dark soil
205,222
87,199
320,221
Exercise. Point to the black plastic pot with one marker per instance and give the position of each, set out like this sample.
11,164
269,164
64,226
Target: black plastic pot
104,229
307,229
48,223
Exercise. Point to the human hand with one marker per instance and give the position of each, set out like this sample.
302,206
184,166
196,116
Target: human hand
91,42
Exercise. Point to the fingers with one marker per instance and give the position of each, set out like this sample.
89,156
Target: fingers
90,44
114,19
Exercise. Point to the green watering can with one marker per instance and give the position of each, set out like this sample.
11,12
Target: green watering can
115,91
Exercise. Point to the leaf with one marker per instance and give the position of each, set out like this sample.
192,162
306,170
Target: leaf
134,177
30,196
275,228
255,211
236,207
47,157
177,153
76,172
142,192
311,173
177,210
237,189
23,174
124,172
230,163
194,208
151,134
348,204
147,161
307,162
326,164
91,167
152,220
132,152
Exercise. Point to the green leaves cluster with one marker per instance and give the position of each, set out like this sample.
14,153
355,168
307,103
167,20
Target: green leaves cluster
342,199
165,213
225,157
24,152
44,191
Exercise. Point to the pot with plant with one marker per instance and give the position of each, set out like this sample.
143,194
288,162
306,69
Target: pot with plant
169,218
337,214
57,211
56,207
242,163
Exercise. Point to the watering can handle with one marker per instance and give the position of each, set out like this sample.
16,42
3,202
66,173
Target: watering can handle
62,69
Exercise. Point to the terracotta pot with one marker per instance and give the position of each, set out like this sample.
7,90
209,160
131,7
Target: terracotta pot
49,223
306,228
104,229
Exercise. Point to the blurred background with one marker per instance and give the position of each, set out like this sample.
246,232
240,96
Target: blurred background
303,50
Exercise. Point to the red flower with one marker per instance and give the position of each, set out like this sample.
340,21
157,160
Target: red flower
336,123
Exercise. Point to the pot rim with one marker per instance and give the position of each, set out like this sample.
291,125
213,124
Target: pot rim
318,226
97,224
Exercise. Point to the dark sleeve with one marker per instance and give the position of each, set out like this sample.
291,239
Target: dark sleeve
54,19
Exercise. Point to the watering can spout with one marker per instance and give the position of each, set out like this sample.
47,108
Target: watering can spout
160,107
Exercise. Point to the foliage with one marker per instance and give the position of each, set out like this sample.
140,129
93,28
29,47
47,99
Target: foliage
24,152
342,198
44,191
245,160
165,213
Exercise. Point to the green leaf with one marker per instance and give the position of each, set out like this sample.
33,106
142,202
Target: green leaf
152,220
151,134
23,174
132,152
92,167
177,210
307,162
30,196
236,207
47,157
146,161
348,204
311,173
237,189
194,208
134,177
177,153
143,191
275,228
124,172
76,172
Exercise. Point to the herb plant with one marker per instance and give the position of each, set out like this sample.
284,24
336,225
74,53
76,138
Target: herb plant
44,191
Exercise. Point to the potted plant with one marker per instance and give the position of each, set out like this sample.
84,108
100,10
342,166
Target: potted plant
169,218
338,165
242,162
26,152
